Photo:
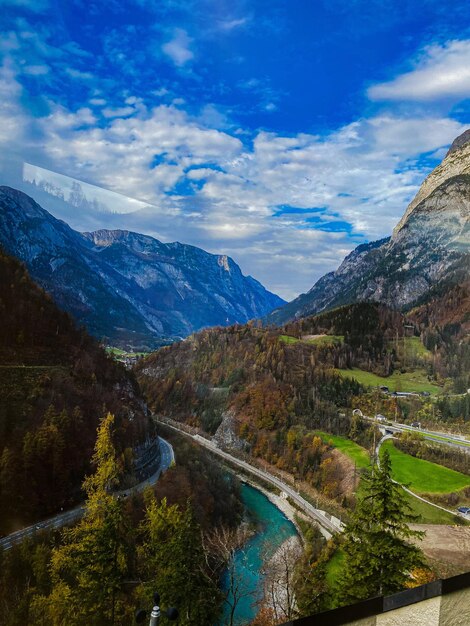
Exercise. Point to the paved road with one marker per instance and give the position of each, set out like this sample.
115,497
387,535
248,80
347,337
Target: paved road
324,519
68,517
412,493
446,439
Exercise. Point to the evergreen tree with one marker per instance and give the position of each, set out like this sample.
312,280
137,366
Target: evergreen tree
172,561
310,573
378,554
87,570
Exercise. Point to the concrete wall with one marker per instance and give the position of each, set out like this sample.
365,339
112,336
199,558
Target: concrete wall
453,609
439,603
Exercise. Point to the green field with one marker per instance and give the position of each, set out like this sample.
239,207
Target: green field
117,352
415,348
423,476
355,452
429,514
334,568
288,339
410,381
324,340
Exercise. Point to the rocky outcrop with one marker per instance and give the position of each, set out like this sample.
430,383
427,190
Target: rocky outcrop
429,244
130,289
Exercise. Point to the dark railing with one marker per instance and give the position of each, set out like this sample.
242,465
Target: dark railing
382,604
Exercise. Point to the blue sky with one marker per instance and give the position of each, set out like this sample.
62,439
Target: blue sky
280,133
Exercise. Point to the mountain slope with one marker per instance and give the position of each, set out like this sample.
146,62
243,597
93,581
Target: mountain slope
128,288
430,243
55,384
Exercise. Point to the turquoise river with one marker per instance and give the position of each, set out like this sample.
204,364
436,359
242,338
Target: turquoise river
273,528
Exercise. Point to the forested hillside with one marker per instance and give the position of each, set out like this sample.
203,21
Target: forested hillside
56,384
98,572
444,324
275,389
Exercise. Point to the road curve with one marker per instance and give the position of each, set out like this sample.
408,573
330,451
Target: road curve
68,517
319,516
412,493
446,439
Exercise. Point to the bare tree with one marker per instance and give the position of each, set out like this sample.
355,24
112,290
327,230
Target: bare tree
279,592
220,547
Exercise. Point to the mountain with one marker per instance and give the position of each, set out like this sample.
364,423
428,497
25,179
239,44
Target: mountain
56,383
130,289
430,244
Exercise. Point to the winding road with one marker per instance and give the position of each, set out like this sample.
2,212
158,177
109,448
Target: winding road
328,523
447,439
68,517
412,493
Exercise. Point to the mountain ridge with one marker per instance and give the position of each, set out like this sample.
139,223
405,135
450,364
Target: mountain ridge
130,289
429,243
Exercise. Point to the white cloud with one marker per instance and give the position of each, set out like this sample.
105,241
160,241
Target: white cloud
178,48
36,70
118,111
441,72
362,174
97,102
231,24
79,74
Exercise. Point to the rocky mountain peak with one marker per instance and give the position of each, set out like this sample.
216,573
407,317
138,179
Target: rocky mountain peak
456,163
129,288
459,142
429,246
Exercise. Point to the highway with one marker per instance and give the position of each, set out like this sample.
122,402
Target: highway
446,439
329,523
68,517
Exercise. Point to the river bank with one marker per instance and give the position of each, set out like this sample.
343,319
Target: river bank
251,561
280,503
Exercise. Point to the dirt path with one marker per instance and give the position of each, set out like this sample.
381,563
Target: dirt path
447,548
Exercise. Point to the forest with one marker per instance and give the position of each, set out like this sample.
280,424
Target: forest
279,386
101,570
56,384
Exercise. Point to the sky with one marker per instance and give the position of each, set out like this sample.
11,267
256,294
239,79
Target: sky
281,133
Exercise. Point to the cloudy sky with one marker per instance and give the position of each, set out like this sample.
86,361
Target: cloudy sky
282,133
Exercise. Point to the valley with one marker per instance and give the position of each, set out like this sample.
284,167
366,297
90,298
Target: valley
151,442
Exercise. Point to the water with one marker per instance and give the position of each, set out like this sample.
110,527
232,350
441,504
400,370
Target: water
273,528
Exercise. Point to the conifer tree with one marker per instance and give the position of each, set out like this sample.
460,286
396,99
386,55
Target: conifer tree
172,562
88,568
378,554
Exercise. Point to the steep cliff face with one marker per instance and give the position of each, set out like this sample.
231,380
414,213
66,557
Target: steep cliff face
429,244
130,289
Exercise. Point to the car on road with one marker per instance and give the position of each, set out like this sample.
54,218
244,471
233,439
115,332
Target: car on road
464,509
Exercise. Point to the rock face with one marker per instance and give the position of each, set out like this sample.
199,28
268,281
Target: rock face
130,289
429,244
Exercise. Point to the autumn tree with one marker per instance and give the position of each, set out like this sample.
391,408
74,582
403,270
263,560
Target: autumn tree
279,581
310,572
88,569
220,548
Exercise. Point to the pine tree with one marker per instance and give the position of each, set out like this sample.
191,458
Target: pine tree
378,554
87,570
172,562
